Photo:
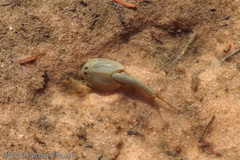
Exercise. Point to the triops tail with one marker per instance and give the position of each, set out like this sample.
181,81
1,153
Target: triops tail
176,110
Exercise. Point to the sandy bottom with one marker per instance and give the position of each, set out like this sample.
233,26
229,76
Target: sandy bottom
176,47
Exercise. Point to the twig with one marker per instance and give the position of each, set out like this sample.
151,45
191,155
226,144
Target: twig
206,145
30,59
218,62
27,59
229,56
186,47
205,130
195,78
128,5
7,4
